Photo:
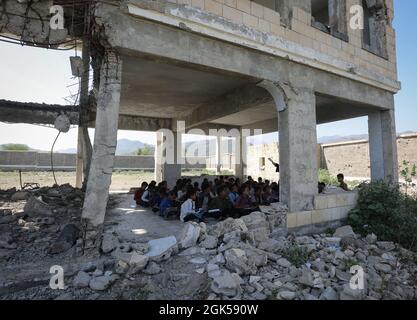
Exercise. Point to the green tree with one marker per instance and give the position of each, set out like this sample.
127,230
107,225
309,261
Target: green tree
14,147
408,173
145,151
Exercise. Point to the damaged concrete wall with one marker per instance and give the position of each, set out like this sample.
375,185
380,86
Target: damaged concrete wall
29,21
249,24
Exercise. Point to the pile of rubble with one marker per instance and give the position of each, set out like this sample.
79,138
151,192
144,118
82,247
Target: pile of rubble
37,223
253,258
248,258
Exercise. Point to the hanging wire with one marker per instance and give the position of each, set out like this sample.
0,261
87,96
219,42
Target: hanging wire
52,157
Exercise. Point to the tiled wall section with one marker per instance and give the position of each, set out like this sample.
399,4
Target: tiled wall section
253,15
329,207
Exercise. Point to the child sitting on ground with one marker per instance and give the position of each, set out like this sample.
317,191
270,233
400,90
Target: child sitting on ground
188,208
147,195
138,193
220,203
168,205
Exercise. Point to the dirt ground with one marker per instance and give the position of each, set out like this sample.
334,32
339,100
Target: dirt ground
121,180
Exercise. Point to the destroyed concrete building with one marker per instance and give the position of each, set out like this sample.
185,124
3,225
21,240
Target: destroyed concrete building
283,65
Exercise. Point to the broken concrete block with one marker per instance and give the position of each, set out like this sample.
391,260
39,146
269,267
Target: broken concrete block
237,261
213,270
227,284
256,257
152,268
210,242
227,226
344,232
36,207
286,295
20,196
81,280
103,282
66,239
198,260
190,234
121,267
161,249
109,243
329,294
137,262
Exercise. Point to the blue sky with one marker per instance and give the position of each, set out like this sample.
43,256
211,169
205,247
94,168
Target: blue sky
36,75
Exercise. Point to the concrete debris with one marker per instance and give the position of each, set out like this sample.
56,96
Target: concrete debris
190,235
247,258
82,280
66,239
137,262
210,242
227,284
36,207
109,243
20,196
102,282
344,232
152,268
161,249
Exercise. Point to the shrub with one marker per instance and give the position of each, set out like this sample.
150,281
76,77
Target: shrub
384,210
14,147
327,178
296,254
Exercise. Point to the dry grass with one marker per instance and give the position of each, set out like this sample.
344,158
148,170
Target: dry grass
121,180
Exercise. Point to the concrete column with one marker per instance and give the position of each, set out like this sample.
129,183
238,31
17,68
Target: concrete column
297,149
80,162
105,140
383,146
219,154
85,149
241,156
168,157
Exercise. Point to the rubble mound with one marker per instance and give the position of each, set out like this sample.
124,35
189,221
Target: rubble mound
248,258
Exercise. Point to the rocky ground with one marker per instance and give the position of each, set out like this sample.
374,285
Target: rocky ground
248,258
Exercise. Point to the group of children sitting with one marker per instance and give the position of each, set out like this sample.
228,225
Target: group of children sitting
224,197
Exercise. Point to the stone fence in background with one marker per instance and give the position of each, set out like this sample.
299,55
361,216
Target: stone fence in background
33,160
350,158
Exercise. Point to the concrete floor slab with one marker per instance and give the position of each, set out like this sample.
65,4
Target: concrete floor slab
136,224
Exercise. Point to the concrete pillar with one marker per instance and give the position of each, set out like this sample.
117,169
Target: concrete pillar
80,162
219,154
85,149
241,156
383,146
168,157
297,149
105,140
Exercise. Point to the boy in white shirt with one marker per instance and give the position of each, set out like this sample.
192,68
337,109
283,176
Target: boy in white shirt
188,209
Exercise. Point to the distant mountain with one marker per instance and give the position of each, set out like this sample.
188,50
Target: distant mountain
192,147
124,147
130,147
335,139
68,150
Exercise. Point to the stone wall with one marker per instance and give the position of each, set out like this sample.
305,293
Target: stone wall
33,160
350,158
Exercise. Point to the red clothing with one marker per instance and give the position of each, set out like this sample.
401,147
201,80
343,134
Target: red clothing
138,195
